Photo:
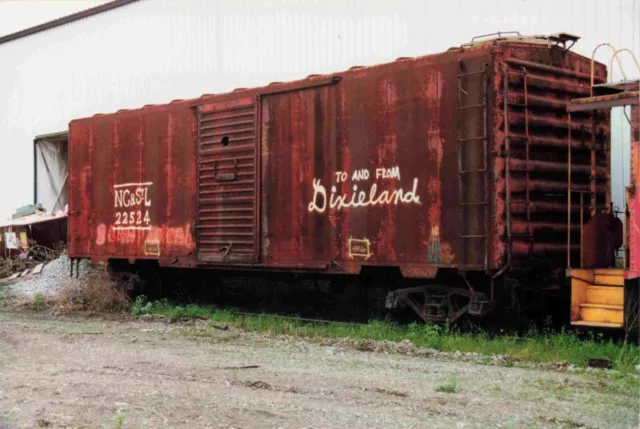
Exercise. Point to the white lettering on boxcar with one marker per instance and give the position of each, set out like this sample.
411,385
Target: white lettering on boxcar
132,202
388,173
359,248
341,176
362,197
358,175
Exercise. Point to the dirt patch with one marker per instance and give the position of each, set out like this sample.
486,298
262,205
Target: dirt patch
390,392
87,373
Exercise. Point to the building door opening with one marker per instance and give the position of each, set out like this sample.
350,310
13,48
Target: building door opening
51,171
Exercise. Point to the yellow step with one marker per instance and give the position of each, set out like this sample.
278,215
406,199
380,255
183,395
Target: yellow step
599,294
608,280
607,271
603,306
601,313
597,324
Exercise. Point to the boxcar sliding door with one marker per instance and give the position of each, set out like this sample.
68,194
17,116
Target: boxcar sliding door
227,181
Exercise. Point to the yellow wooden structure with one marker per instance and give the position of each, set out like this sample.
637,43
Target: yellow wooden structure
598,294
597,297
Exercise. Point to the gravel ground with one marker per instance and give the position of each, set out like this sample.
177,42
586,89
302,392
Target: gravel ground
89,373
52,278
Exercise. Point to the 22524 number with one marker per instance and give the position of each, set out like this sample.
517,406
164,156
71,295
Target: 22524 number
133,218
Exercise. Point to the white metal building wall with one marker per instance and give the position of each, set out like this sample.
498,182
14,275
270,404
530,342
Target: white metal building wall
154,51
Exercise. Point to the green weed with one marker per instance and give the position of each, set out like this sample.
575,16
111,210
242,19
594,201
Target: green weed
618,382
450,386
536,346
37,302
119,421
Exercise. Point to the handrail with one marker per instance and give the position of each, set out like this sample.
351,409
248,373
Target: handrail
615,55
507,264
497,33
593,54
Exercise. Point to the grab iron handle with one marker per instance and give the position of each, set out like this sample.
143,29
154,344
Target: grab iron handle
226,177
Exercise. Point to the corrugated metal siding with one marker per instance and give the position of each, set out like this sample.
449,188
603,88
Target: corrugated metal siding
155,51
227,181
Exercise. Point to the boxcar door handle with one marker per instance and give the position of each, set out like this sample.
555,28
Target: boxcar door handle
226,177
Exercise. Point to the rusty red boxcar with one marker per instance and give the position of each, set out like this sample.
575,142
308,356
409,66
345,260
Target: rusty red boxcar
451,166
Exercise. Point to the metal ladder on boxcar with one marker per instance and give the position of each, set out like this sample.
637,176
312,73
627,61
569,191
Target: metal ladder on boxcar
526,139
468,101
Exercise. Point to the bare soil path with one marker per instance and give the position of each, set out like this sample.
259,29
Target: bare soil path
88,373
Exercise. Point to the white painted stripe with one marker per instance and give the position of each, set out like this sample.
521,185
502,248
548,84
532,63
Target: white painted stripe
125,185
132,228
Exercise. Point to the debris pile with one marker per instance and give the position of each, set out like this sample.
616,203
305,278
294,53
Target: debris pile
44,278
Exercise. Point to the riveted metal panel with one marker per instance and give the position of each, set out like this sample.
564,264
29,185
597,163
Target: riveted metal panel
363,171
132,185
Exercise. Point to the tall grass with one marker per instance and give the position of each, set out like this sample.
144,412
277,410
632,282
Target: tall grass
535,346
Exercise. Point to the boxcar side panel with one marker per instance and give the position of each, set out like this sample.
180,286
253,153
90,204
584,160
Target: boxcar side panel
364,171
132,184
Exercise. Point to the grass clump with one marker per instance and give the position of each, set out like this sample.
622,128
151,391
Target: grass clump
536,346
119,421
450,386
37,302
174,312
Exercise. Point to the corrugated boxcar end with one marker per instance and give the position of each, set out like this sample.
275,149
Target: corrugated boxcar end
533,86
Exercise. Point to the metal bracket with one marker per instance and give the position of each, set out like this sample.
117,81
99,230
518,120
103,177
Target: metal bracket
226,177
226,250
479,307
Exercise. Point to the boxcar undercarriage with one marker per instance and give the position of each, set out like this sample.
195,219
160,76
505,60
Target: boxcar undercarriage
376,293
